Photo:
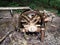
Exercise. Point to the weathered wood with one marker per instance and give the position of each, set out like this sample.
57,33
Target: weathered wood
13,8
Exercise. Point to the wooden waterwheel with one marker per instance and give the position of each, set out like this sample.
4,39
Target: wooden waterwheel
32,21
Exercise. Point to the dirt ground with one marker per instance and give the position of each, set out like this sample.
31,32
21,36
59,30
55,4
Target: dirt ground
52,34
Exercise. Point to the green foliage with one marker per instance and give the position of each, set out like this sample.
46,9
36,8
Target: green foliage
58,11
55,3
32,3
44,1
33,6
18,11
3,3
13,4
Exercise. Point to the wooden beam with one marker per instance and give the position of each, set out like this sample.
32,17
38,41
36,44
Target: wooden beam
13,8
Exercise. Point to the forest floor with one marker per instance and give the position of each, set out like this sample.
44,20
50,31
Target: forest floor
52,34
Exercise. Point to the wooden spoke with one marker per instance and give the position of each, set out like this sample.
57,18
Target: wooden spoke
28,19
37,20
34,18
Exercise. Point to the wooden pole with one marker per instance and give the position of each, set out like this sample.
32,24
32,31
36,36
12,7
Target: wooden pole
13,8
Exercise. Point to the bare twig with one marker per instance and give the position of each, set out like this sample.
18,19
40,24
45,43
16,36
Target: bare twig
3,38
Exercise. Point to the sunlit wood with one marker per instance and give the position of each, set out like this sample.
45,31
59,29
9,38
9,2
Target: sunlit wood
13,8
26,17
34,18
38,18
